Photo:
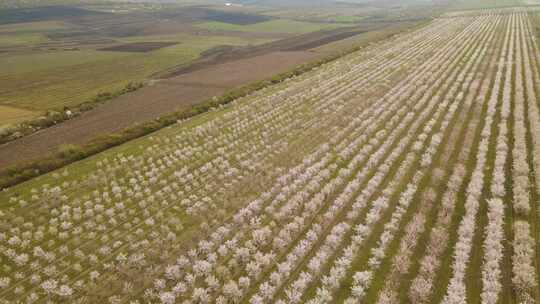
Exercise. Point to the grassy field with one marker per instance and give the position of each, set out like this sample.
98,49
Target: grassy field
66,78
272,26
345,19
11,115
21,39
476,4
336,14
32,27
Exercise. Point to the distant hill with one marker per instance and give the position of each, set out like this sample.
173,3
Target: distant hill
268,3
35,3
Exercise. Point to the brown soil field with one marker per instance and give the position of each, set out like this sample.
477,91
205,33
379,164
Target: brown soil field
325,40
150,102
303,42
228,54
140,47
184,86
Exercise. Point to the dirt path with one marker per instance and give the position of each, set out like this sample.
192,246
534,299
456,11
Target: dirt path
151,102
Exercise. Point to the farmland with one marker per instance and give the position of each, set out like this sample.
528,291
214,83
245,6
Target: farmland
47,66
405,172
476,4
51,80
274,26
61,56
15,115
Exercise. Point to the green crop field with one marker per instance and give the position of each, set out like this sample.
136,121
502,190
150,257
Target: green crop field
272,26
475,4
20,39
66,78
345,19
327,14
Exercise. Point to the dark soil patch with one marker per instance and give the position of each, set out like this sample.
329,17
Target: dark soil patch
324,40
138,47
220,49
304,42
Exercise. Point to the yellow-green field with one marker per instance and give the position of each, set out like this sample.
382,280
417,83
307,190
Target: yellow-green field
476,4
48,65
11,115
36,26
272,26
27,33
66,78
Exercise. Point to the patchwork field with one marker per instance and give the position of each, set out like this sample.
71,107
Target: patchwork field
476,4
87,70
181,87
143,47
61,56
406,172
54,79
273,26
67,54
